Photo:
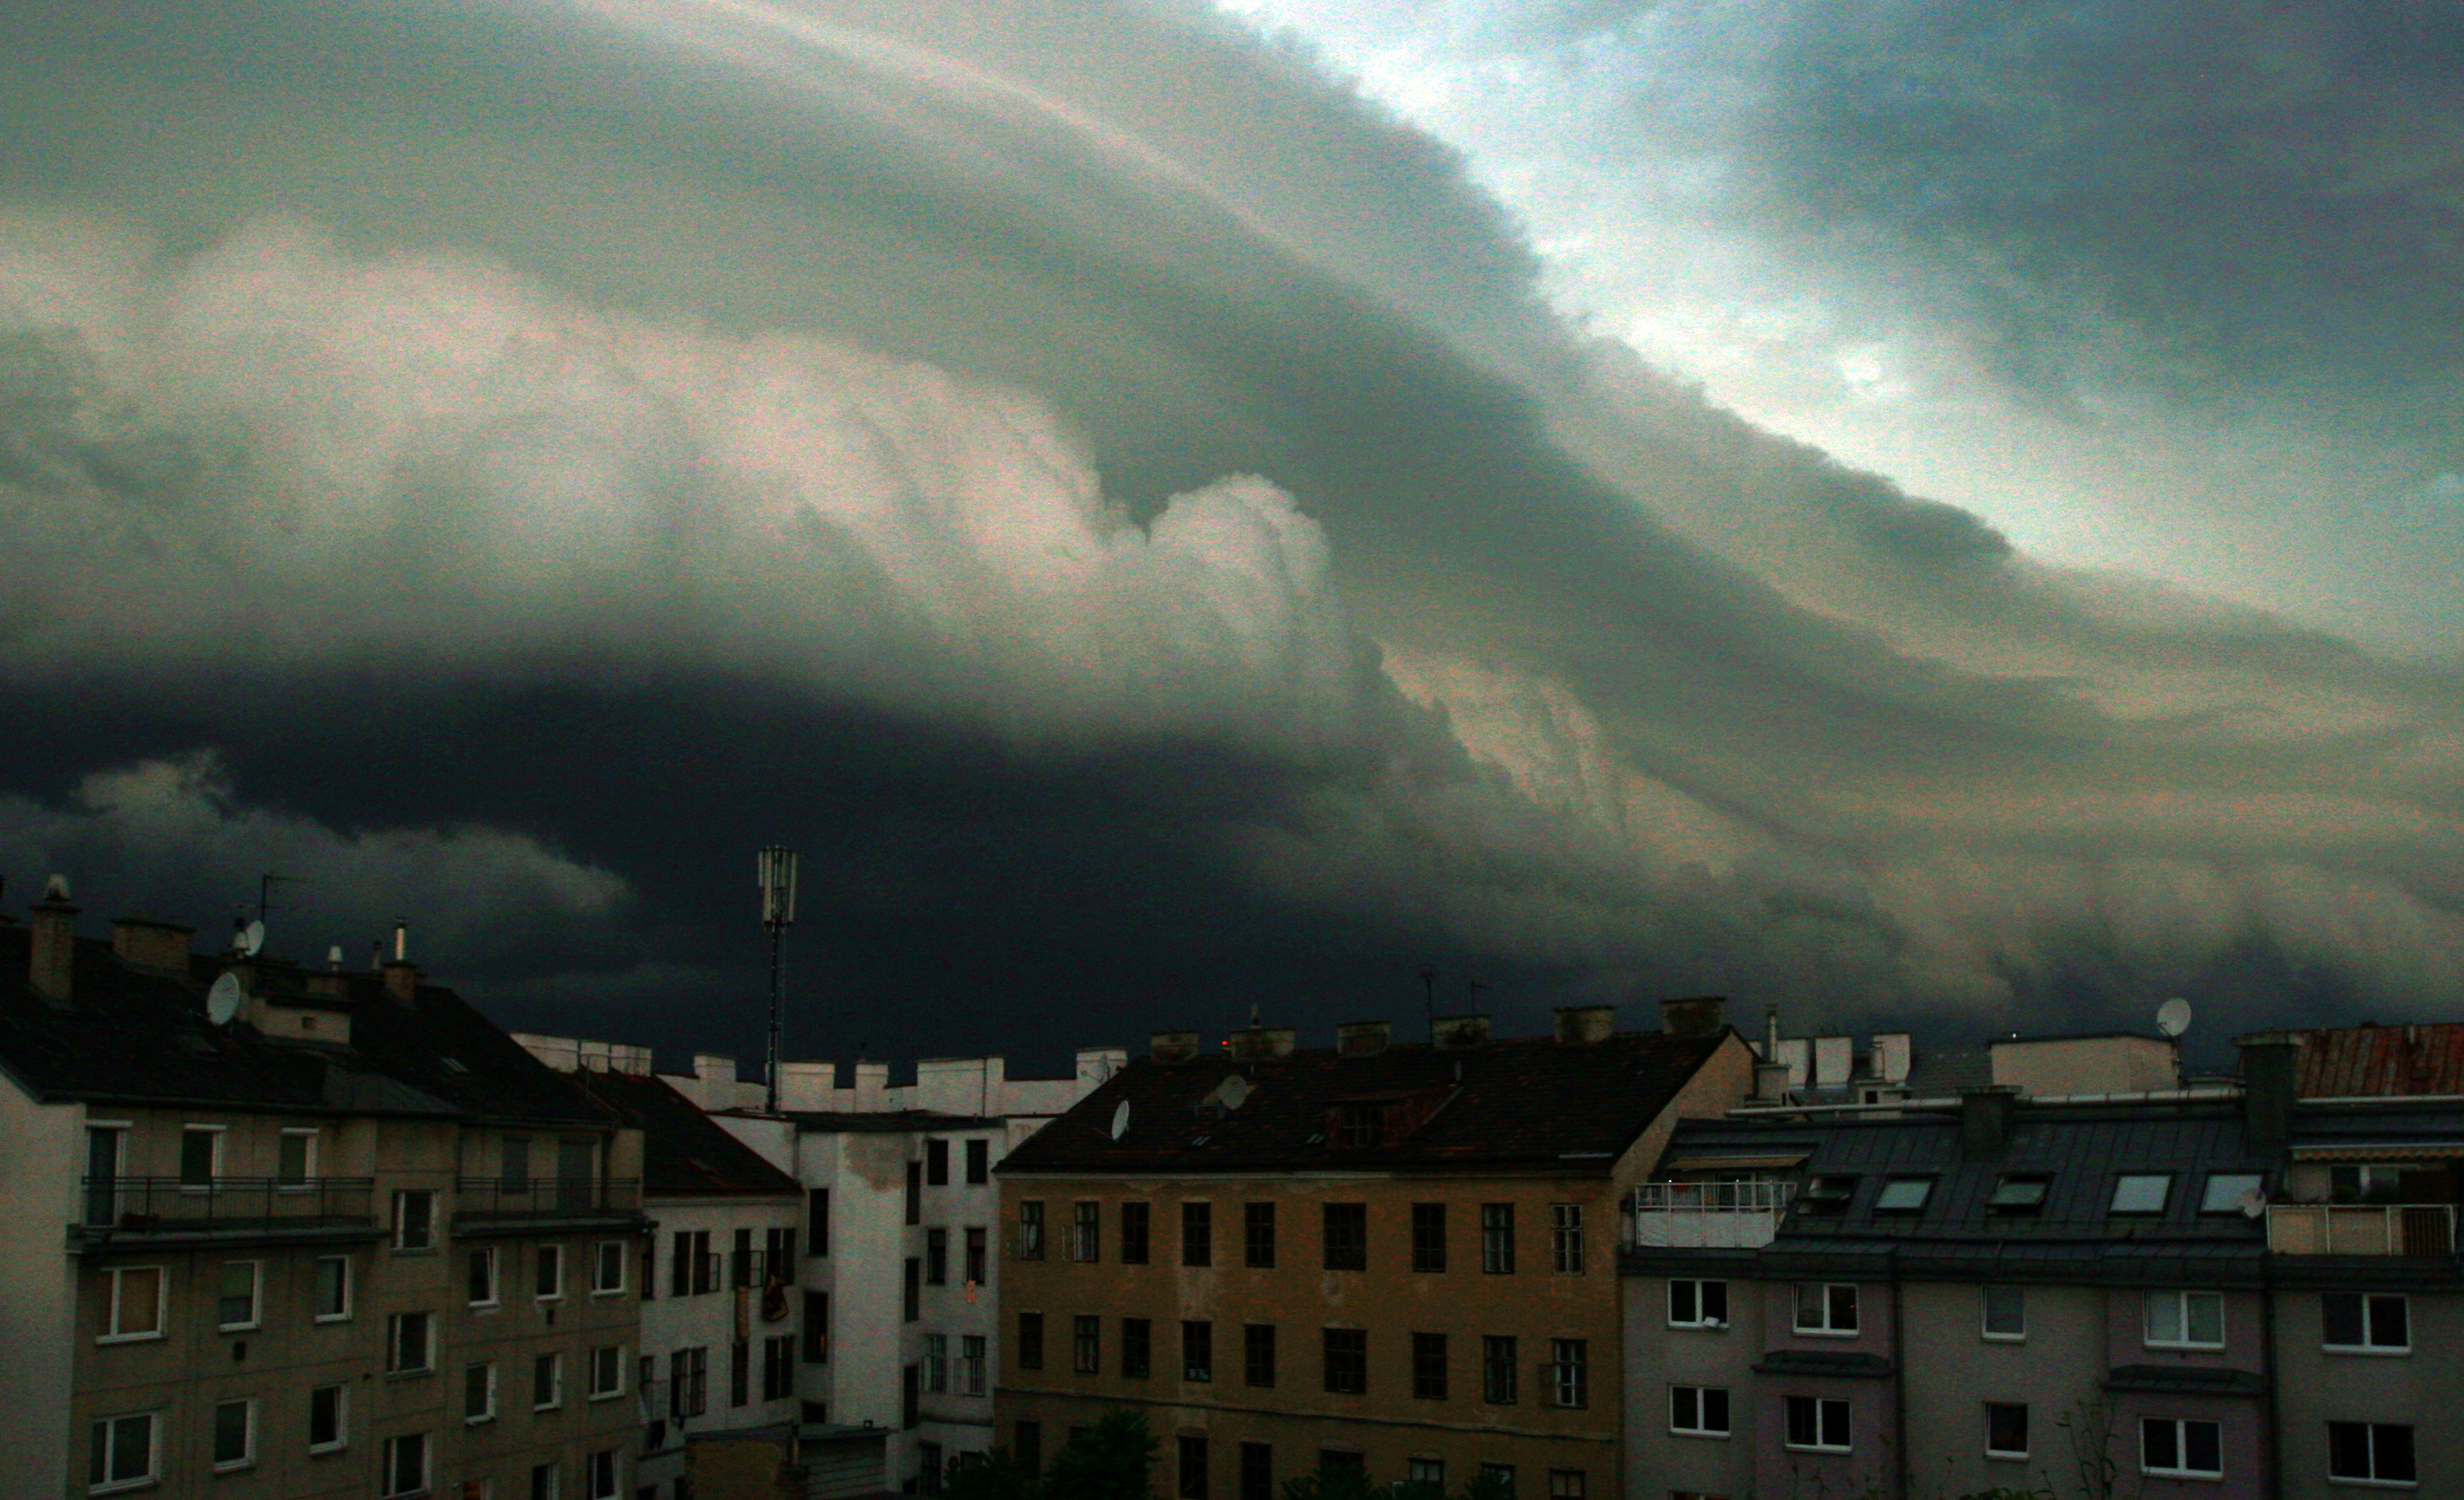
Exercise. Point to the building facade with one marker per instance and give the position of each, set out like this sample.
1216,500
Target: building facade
1395,1259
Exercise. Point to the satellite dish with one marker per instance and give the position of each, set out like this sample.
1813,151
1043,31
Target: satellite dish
2253,1203
252,938
56,889
222,1002
2173,1016
1121,1120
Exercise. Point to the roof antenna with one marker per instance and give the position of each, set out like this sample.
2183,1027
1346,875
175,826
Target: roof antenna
1253,1016
1429,999
775,873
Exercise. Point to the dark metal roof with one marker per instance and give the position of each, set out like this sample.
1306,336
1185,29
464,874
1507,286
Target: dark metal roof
1521,1101
685,1153
140,1036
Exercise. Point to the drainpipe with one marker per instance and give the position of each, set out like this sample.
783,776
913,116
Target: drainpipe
1899,1377
2274,1441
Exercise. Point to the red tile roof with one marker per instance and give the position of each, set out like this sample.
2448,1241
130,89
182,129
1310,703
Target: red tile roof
2375,1061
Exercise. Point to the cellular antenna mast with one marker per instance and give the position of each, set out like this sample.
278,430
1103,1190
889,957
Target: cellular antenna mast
777,866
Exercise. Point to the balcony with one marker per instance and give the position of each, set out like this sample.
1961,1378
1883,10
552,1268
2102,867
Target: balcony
1706,1215
122,1206
486,1200
2360,1228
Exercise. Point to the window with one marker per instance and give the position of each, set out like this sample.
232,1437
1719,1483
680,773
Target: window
1026,1444
1817,1424
1904,1195
407,1345
1086,1344
547,1283
979,1160
914,1192
479,1392
1419,1470
2227,1191
1826,1307
1497,1239
936,1364
817,1328
1137,1348
976,1256
1698,1411
1192,1468
514,1156
936,1163
1030,1340
2365,1184
1085,1232
1570,1371
606,1372
692,1268
1697,1304
1565,1238
328,1418
2185,1320
1429,1367
104,1158
779,1367
1258,1235
236,1305
911,1408
2018,1193
2374,1452
1197,1234
234,1435
483,1277
1567,1484
414,1222
1358,1124
2373,1322
333,1302
1347,1361
817,1219
688,1382
739,1372
201,1155
1428,1237
547,1382
1257,1472
295,1160
608,1268
928,1468
1347,1236
1030,1231
2006,1429
1827,1197
2141,1192
124,1454
136,1304
2005,1311
1497,1370
543,1478
911,1295
1135,1221
1258,1355
971,1364
936,1256
1501,1476
600,1474
404,1471
1197,1351
2175,1446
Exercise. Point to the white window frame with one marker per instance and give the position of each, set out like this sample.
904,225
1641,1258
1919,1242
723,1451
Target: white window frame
402,1197
614,1354
307,1180
1985,1328
554,1363
117,1130
1701,1427
255,1318
936,1365
1820,1403
974,1351
543,1256
214,1431
2371,1481
2376,1351
342,1419
111,1333
2026,1418
1566,1239
555,1486
2178,1300
495,1297
603,1474
153,1474
214,1162
1698,1283
394,1325
2182,1449
388,1462
601,1255
486,1413
1827,1329
350,1290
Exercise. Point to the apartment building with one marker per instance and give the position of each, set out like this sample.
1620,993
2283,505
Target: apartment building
281,1233
899,1288
721,1339
1397,1259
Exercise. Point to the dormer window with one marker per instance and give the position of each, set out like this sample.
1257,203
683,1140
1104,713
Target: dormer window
2020,1193
1828,1196
1904,1195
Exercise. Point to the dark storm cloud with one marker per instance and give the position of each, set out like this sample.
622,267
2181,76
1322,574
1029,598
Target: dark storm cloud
585,443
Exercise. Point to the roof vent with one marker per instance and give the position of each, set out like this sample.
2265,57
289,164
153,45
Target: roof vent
1363,1038
1459,1033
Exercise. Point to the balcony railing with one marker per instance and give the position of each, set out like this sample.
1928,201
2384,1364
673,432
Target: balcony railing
1707,1215
223,1204
481,1198
2360,1228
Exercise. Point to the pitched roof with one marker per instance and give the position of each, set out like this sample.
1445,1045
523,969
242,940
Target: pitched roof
140,1036
2353,1061
685,1153
1514,1102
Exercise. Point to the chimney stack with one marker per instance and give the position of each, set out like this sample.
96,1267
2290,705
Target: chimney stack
2269,1086
150,944
1770,1082
1362,1038
54,945
1578,1025
1253,1043
1174,1047
402,982
1985,1121
1697,1015
1460,1033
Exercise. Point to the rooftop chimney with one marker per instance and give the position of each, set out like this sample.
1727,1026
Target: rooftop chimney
1174,1047
1985,1121
1770,1082
2268,1089
1580,1025
1459,1033
401,980
1696,1016
1253,1043
1363,1038
55,923
150,944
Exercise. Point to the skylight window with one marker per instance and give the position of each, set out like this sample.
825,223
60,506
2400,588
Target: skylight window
1828,1195
2020,1193
2141,1192
1904,1195
2228,1191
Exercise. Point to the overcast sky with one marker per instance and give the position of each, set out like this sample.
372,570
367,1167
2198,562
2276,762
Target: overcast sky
1940,515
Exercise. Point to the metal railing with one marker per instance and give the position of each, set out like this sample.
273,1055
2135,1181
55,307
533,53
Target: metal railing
179,1205
545,1196
2360,1228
